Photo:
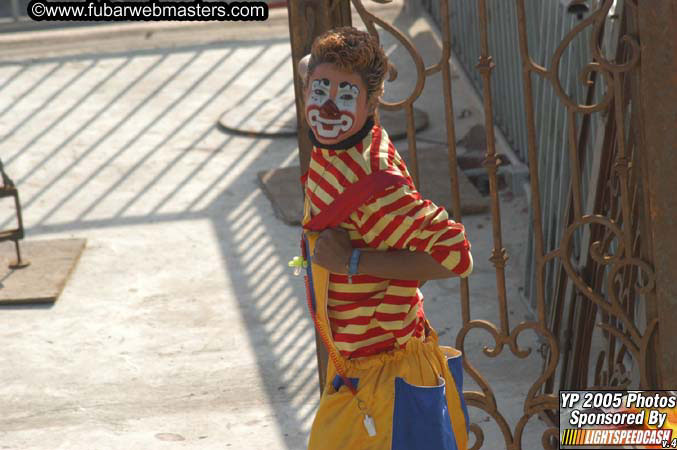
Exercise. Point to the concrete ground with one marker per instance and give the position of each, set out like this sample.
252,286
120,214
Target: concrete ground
181,326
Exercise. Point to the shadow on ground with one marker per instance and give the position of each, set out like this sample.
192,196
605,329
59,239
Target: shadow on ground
182,318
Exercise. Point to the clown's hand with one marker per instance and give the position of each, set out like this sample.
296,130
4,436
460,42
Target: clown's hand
332,250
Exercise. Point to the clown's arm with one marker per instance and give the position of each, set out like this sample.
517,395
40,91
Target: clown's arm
423,243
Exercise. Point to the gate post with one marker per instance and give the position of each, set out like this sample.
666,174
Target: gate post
658,89
307,20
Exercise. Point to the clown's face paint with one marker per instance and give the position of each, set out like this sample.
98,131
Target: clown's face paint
336,103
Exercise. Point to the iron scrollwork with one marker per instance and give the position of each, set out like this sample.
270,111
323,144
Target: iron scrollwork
614,303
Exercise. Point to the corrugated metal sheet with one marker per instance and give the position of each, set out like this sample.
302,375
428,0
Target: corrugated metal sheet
548,23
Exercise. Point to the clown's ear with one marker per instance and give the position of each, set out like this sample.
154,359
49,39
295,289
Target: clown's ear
303,67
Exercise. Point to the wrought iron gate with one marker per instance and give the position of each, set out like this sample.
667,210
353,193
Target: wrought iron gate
599,264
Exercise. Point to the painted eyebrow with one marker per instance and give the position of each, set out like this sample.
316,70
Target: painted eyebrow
344,84
325,81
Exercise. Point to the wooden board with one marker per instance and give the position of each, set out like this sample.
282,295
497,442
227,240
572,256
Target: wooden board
435,184
283,188
51,263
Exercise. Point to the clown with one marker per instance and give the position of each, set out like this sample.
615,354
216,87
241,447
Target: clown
328,118
370,240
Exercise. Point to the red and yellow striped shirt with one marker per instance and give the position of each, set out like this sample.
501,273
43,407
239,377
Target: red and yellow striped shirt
372,314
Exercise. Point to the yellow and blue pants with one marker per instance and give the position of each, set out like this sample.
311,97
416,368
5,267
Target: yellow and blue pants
413,393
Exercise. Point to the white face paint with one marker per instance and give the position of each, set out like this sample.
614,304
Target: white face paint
329,128
336,103
346,97
319,92
345,101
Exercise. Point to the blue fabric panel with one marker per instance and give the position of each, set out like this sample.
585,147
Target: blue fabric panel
421,418
456,369
309,272
338,382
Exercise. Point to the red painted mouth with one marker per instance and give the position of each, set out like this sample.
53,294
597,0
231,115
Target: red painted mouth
325,127
334,117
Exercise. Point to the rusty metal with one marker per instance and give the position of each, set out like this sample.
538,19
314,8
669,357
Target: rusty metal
657,24
535,402
7,190
614,262
307,20
610,370
619,225
603,196
407,102
617,199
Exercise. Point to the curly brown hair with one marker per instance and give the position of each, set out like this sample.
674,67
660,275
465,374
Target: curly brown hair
352,50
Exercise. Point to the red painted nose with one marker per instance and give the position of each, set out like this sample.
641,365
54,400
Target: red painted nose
330,111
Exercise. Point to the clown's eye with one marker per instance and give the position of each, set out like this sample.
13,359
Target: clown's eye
318,92
346,97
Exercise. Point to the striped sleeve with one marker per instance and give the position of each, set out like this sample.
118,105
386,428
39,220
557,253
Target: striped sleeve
399,218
